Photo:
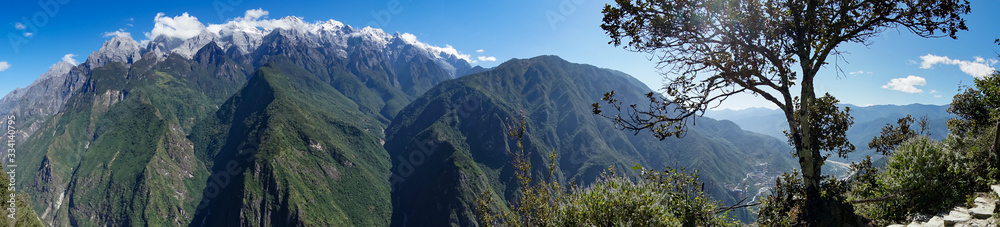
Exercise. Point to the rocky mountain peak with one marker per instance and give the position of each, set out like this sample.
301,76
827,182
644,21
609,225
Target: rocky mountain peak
244,41
250,33
191,46
58,69
118,49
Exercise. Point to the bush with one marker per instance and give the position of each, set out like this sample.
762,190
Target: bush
920,177
668,198
785,206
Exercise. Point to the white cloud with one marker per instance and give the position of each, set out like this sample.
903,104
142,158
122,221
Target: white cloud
253,21
859,72
20,26
906,84
255,14
490,58
4,66
480,51
69,59
120,33
978,68
448,49
28,34
184,26
935,93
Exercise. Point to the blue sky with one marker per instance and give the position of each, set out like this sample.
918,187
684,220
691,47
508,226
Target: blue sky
898,68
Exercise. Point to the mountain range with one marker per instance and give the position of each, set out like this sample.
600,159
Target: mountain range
322,124
449,145
868,123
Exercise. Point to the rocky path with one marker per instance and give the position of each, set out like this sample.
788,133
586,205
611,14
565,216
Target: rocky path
983,213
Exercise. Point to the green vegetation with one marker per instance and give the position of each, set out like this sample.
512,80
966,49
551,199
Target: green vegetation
712,50
868,124
918,178
176,141
118,152
312,156
785,206
668,198
926,176
446,147
23,214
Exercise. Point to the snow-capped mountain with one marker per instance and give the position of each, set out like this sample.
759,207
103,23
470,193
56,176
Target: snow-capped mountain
247,34
243,36
183,72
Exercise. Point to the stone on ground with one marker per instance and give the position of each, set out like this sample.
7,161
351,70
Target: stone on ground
936,221
984,208
959,215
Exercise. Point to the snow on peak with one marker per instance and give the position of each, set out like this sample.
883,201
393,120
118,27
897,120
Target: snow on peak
332,25
185,35
374,34
192,45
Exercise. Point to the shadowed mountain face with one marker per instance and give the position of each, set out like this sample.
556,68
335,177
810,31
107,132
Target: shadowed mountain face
118,152
291,150
450,145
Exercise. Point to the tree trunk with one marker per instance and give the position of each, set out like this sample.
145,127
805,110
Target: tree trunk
809,159
996,137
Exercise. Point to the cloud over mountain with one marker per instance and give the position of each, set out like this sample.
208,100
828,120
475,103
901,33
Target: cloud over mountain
183,27
412,40
69,59
978,68
120,33
906,84
255,22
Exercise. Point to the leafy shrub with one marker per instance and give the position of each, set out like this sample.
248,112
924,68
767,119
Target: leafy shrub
975,128
23,215
920,177
785,206
668,198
